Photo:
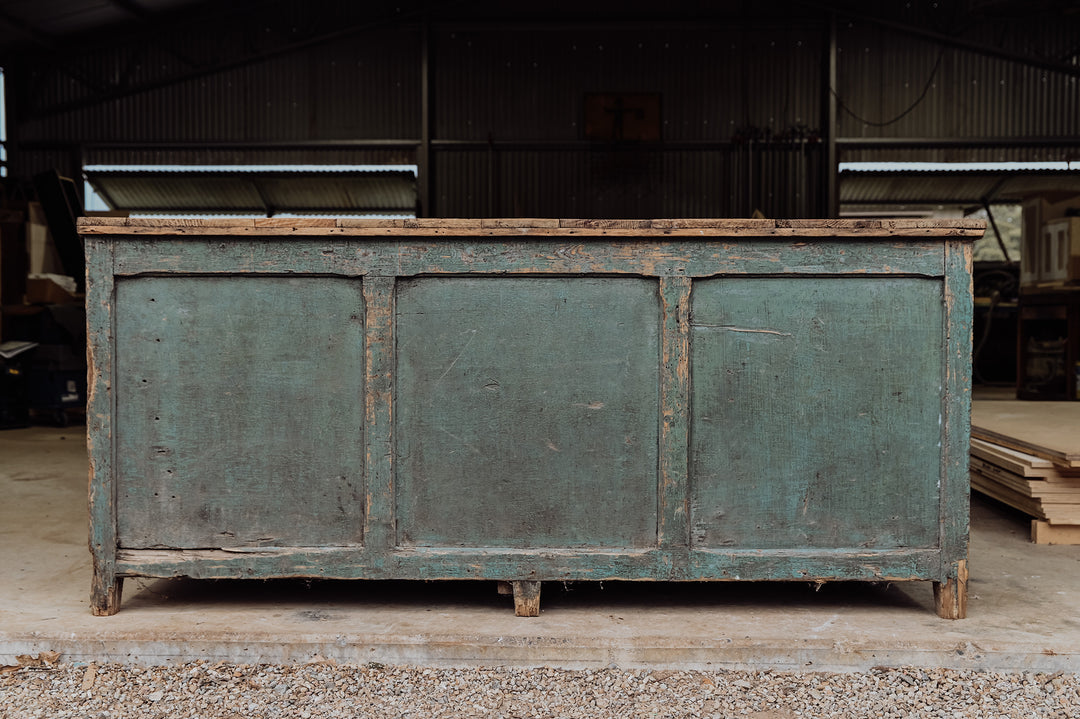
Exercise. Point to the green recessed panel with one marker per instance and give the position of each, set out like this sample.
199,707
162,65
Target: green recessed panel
816,412
239,411
526,412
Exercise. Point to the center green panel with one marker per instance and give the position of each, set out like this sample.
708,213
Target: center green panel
526,412
816,412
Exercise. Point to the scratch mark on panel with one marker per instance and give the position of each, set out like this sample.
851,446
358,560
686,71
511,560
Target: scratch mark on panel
472,336
730,328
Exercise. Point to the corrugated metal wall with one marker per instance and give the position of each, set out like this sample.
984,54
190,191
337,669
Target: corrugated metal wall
741,111
502,87
967,95
343,90
630,183
530,85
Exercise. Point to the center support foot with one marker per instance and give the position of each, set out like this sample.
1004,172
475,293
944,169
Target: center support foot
527,599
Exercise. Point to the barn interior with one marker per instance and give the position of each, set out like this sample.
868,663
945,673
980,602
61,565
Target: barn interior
777,109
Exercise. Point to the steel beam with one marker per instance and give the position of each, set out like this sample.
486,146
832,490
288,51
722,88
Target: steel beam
423,156
951,40
829,83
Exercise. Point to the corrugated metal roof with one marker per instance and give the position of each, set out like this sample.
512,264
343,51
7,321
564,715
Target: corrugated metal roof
265,192
937,187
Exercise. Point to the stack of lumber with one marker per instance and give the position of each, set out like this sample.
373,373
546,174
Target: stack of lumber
1027,455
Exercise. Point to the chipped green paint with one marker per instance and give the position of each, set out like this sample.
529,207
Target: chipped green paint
815,412
100,410
526,411
219,435
557,405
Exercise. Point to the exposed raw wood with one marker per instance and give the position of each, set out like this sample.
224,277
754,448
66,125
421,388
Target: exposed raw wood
504,588
105,600
954,421
1032,487
103,221
518,223
1013,460
296,222
674,402
527,599
609,224
105,588
1055,500
922,229
951,596
1050,430
352,222
1046,533
378,411
1004,494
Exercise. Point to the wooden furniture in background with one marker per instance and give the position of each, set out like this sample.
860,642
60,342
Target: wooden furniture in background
1048,343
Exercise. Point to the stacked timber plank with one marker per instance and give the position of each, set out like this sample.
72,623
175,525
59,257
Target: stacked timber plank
1027,455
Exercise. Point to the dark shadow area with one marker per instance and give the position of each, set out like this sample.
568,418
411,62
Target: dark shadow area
322,597
1007,522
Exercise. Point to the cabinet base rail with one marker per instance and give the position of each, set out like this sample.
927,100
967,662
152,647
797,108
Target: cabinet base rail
950,591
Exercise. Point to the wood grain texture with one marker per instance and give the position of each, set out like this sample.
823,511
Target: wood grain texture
379,511
1005,494
527,411
544,226
816,408
950,595
426,563
674,412
221,440
1046,533
1050,430
105,590
1031,486
954,489
527,599
1027,465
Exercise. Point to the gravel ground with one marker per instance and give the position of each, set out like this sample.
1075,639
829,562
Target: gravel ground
45,687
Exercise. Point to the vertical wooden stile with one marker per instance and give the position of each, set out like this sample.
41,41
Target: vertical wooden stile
673,530
379,517
106,587
951,589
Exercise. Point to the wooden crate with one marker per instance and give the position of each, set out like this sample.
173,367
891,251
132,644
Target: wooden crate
530,400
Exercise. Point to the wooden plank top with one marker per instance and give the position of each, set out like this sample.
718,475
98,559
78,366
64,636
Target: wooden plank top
1050,430
737,228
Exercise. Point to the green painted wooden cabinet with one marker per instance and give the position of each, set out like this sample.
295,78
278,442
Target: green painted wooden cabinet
529,400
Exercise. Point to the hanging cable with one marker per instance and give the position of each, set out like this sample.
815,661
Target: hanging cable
905,113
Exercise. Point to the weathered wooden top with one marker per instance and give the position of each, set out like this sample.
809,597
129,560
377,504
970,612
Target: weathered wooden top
745,228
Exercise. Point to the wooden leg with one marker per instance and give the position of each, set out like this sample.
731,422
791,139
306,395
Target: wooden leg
951,596
504,588
527,599
105,595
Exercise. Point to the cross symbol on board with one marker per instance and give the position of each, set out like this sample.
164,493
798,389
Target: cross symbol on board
619,112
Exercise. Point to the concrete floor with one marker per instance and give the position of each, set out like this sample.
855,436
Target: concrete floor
1024,608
